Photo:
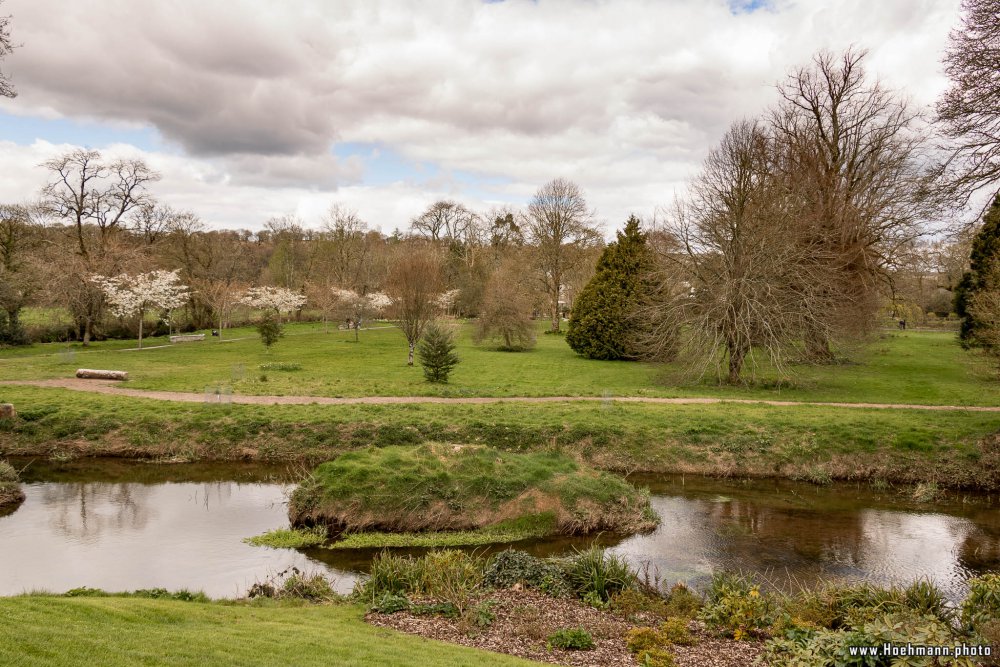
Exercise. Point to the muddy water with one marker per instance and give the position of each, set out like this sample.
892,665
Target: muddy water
123,526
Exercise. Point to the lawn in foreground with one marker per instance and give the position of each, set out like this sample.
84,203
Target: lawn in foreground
54,631
896,367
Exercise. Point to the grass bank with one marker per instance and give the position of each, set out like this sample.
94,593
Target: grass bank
128,631
446,487
953,448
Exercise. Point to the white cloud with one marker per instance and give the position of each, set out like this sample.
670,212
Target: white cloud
624,97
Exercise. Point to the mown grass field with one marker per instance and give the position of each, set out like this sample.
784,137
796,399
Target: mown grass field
55,631
896,367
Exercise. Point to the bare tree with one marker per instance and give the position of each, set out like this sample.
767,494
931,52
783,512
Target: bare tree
737,279
560,226
6,48
20,271
969,111
444,220
852,161
505,317
414,283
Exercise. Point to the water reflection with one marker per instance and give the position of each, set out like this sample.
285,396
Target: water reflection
118,533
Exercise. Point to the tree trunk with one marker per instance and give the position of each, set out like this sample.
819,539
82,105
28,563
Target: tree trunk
141,318
356,333
737,353
87,326
555,311
818,347
409,360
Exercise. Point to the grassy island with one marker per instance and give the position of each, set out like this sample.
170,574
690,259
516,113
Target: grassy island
447,488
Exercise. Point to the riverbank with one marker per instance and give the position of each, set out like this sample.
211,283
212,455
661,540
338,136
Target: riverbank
953,449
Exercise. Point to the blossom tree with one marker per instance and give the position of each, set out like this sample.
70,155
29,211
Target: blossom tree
130,295
358,307
273,301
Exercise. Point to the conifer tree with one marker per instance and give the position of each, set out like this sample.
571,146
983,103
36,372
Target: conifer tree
602,325
985,253
437,353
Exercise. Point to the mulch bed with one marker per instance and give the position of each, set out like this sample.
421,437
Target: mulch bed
524,619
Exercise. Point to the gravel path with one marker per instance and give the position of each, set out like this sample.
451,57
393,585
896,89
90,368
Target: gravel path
116,389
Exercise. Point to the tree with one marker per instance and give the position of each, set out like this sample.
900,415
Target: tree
560,226
95,197
981,276
221,296
20,270
741,278
851,160
984,307
414,283
273,301
6,48
443,221
969,111
437,353
505,317
603,323
134,295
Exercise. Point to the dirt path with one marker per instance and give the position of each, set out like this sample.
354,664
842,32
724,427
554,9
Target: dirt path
116,389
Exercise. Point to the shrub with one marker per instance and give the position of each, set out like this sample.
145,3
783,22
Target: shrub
736,608
675,631
682,602
7,472
270,330
571,639
656,657
982,604
596,571
312,587
630,603
518,567
448,575
638,640
391,604
437,353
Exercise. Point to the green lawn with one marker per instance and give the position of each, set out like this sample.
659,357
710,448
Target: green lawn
53,631
897,367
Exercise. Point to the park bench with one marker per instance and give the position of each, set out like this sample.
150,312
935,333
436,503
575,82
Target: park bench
187,338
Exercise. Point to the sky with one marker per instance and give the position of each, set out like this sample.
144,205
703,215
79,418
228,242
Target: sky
251,109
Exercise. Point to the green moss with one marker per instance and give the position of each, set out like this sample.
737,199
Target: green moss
289,538
522,528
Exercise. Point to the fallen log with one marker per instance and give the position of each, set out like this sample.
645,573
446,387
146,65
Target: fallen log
187,338
94,374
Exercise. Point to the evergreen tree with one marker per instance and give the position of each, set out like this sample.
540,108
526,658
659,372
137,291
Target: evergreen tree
601,325
979,277
270,330
437,353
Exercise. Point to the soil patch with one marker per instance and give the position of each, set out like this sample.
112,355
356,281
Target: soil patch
524,619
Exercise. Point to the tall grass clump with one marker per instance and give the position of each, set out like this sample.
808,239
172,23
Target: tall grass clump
596,574
10,488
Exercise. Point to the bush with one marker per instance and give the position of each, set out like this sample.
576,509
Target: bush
391,604
631,603
736,608
982,604
656,657
596,571
437,353
518,567
448,575
7,472
294,584
270,330
571,639
682,602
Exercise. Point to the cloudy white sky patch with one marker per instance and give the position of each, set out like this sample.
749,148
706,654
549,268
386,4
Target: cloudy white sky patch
254,109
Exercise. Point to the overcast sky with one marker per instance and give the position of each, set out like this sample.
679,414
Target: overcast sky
253,109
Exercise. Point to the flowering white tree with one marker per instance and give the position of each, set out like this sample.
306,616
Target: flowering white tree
273,301
358,307
446,300
278,299
130,295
